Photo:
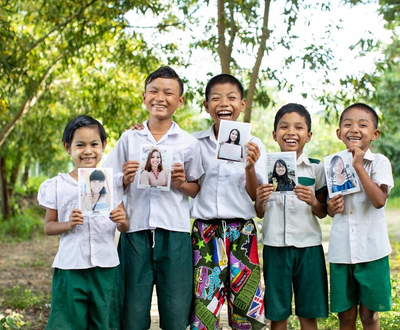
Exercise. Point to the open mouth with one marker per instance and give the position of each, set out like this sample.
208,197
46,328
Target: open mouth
224,114
352,138
290,141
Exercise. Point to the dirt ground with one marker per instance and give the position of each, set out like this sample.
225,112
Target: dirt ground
29,264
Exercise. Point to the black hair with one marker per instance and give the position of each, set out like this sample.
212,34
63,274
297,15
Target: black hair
222,79
82,121
167,73
238,136
98,175
281,178
293,107
364,107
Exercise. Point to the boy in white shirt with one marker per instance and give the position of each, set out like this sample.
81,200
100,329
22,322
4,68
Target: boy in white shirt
359,246
156,250
294,260
224,236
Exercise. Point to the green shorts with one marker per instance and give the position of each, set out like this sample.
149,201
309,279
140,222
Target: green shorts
83,299
301,271
162,258
367,283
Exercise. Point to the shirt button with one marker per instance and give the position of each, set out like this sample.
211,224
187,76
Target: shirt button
351,212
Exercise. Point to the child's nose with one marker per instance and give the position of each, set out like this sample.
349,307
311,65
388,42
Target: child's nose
160,96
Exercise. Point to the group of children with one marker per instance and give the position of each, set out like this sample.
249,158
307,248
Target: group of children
196,270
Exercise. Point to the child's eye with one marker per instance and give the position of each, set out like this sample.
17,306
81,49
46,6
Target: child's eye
233,98
215,99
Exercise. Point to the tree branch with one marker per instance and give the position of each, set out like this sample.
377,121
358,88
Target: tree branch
261,50
29,101
222,49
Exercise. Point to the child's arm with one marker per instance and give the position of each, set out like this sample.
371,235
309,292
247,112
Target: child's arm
262,194
252,155
129,169
53,227
178,181
118,216
377,195
317,203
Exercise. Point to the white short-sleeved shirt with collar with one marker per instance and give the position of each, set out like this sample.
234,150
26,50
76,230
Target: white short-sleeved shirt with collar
147,208
223,192
289,221
359,234
88,245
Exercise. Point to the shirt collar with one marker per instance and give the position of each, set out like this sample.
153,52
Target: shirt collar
174,129
369,155
303,159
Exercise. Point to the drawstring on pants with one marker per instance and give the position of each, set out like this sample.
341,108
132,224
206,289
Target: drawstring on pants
154,238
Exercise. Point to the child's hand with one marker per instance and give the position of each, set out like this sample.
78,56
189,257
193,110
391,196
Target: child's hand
138,127
305,194
118,215
358,156
263,193
252,154
129,169
178,175
75,219
336,204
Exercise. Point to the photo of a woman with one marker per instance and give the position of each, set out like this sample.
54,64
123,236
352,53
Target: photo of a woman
339,178
280,177
154,174
97,198
232,153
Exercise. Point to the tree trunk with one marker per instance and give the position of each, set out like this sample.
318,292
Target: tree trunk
5,197
256,69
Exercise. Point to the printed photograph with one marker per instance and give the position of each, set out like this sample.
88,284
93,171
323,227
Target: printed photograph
281,171
232,139
95,190
155,167
341,176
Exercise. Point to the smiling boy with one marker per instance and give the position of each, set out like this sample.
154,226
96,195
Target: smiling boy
156,250
294,260
359,246
224,236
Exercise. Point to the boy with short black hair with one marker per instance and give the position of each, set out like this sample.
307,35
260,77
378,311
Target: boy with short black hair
157,247
224,236
294,258
359,245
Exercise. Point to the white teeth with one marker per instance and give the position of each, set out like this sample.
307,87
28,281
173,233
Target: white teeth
290,141
354,139
224,113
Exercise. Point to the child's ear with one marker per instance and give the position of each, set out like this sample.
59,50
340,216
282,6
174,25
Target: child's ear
67,148
274,135
205,103
243,104
309,136
376,135
338,134
104,145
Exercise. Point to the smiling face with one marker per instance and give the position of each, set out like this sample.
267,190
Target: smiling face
233,136
162,98
357,129
338,167
224,102
280,169
96,186
86,149
155,159
292,133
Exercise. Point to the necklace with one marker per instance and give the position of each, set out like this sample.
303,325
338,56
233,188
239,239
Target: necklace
156,174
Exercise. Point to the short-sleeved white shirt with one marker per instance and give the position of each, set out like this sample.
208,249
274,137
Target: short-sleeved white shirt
359,234
88,245
289,221
223,192
147,208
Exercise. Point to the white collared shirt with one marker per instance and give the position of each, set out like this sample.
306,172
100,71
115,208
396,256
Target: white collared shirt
223,192
359,234
88,245
289,221
147,208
